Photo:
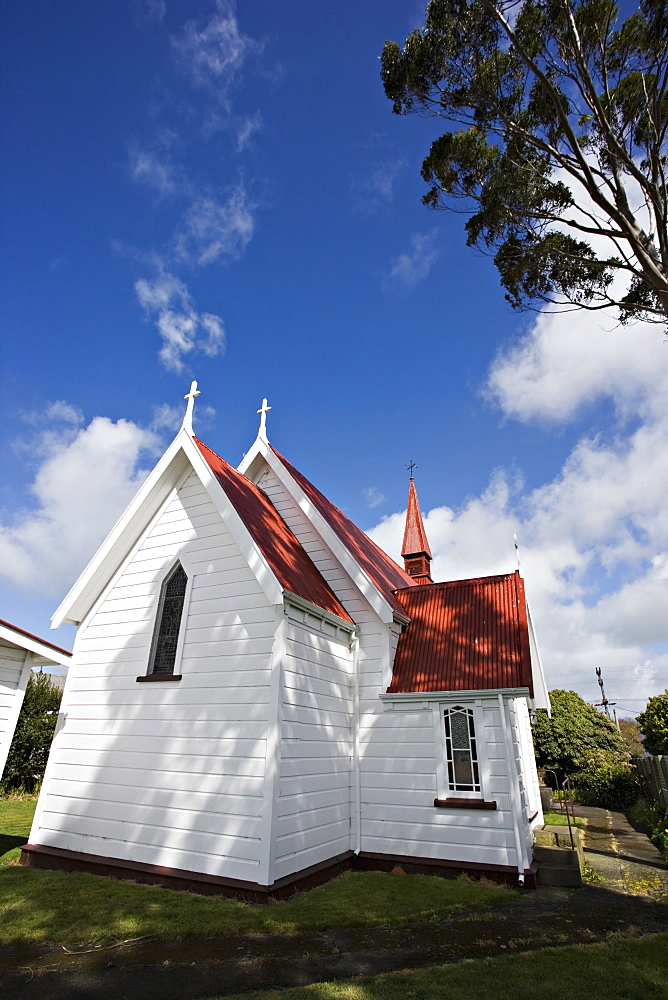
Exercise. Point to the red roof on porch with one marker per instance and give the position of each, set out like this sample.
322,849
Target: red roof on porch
468,635
282,550
378,566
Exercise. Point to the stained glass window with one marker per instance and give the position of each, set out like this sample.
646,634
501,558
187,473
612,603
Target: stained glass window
168,622
461,753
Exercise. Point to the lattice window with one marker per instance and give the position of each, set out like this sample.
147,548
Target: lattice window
168,622
460,748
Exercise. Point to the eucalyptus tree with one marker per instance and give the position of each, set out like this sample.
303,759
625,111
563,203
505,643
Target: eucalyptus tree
560,155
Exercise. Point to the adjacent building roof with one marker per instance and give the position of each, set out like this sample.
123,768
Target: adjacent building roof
280,547
43,651
378,566
468,635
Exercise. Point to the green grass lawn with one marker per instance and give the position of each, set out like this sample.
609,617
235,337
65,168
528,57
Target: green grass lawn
38,907
616,970
559,819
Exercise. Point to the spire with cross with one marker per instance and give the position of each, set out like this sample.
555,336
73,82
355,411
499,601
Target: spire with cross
187,424
415,550
263,411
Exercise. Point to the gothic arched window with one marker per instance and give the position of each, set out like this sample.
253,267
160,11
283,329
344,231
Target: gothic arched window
168,622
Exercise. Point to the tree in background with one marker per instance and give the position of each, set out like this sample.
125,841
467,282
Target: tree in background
630,730
30,747
653,724
576,737
561,161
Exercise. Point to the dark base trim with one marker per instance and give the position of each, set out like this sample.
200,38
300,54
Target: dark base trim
38,856
503,874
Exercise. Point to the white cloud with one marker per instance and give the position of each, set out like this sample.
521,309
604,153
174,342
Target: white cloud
82,484
373,497
412,266
157,172
214,51
183,330
151,10
211,230
594,538
569,361
378,189
247,129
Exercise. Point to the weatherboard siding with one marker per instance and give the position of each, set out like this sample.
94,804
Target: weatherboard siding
313,808
315,547
528,761
11,668
14,672
399,782
169,773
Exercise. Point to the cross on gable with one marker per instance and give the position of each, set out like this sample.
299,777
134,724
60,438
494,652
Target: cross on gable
190,396
263,411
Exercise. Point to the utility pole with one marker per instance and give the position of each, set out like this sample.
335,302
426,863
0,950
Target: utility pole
604,703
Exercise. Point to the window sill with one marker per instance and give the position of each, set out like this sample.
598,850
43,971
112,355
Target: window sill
160,677
463,804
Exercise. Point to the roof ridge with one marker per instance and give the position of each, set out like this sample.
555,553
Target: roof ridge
455,583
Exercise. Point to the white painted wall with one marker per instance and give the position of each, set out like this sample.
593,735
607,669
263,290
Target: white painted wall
401,758
168,773
527,759
316,747
400,752
15,664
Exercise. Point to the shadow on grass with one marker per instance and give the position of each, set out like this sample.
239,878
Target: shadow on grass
8,844
41,906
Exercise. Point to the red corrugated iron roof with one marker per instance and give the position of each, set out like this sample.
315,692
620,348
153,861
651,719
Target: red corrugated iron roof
415,537
468,635
278,544
382,571
29,635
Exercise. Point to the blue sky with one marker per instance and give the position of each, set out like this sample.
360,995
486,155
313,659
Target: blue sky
195,190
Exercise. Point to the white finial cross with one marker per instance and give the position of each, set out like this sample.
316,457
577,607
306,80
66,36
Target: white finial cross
517,551
263,411
190,396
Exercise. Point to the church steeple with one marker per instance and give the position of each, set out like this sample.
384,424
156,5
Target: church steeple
415,551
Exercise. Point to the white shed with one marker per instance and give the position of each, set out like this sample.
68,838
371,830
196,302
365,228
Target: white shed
19,653
260,696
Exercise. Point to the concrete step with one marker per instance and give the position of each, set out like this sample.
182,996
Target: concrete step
559,875
558,857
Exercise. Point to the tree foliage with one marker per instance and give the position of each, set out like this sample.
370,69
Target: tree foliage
561,158
36,724
630,730
576,737
653,724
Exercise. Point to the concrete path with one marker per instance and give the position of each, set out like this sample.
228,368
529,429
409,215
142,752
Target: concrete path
627,860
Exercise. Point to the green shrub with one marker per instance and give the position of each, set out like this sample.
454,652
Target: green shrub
653,817
612,787
30,747
575,737
653,724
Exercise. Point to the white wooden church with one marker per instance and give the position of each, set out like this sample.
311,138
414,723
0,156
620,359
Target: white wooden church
259,696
